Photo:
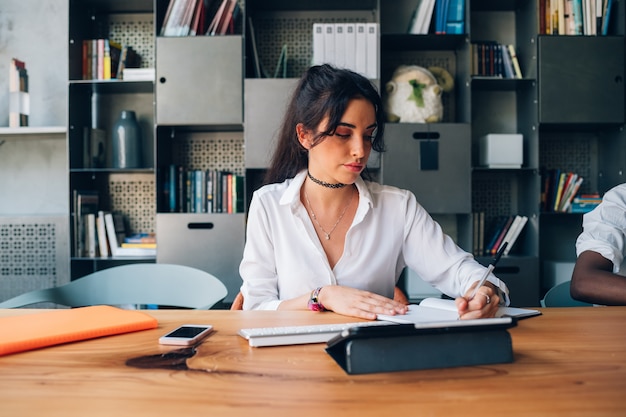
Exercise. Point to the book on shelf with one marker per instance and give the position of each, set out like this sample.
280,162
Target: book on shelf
516,230
224,18
90,235
138,74
478,220
494,232
559,188
104,59
179,17
570,194
103,242
509,233
140,238
112,232
19,99
584,203
441,16
455,22
575,17
84,202
139,245
422,17
202,191
516,66
357,40
492,59
493,249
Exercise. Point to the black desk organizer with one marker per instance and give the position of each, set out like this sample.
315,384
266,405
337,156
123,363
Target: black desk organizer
404,347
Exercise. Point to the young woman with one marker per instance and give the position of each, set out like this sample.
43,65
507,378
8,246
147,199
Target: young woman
320,236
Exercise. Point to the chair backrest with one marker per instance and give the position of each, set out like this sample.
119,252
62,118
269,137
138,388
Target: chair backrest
559,296
138,284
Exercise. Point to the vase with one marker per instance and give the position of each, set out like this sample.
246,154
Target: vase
126,143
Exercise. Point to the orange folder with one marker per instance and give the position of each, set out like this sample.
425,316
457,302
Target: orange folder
48,328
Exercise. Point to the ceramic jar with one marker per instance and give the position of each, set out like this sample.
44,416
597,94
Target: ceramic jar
126,141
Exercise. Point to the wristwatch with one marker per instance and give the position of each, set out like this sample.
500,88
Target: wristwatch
314,302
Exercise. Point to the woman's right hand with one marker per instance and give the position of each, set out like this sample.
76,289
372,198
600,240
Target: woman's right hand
358,303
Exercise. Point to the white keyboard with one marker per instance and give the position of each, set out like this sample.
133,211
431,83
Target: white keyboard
295,335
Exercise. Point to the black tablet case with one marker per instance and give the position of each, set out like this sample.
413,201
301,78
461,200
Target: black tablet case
402,348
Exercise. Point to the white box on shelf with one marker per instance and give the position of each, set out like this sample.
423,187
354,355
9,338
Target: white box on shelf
502,150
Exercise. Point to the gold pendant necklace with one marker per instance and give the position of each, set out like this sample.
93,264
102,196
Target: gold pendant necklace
314,217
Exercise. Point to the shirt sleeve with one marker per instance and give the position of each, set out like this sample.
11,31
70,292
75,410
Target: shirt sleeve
437,259
258,269
604,228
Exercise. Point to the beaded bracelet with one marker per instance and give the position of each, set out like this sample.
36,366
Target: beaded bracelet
314,302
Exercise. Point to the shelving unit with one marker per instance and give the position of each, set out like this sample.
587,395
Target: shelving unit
96,104
207,110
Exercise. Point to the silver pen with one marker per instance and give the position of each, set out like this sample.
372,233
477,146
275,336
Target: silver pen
490,268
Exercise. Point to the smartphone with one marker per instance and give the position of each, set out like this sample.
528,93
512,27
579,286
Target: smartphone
187,334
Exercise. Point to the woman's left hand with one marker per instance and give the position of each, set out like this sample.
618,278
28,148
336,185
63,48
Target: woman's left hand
484,304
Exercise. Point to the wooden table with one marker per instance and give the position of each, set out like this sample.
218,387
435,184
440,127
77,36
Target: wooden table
568,362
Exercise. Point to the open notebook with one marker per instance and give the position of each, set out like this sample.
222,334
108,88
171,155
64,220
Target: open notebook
440,309
53,327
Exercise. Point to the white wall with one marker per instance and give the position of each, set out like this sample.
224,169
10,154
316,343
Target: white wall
33,172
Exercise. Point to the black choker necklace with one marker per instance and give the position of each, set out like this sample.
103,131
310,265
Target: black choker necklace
325,184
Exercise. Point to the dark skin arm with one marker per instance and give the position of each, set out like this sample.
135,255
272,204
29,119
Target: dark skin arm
593,281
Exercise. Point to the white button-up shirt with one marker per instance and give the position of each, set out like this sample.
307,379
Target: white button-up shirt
283,257
604,229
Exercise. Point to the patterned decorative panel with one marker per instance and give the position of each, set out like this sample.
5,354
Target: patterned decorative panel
574,153
34,254
135,30
134,196
223,151
492,193
274,31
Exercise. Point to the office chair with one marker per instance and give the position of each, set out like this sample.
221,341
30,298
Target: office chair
137,284
559,296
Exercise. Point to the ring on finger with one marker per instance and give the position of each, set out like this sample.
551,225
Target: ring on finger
486,296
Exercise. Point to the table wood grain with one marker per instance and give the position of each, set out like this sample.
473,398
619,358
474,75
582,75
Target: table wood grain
568,362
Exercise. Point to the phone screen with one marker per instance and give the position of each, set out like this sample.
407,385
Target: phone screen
186,332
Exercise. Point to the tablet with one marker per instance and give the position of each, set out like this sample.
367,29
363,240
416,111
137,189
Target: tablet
416,329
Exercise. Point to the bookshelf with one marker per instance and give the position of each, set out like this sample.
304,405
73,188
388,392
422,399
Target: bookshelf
215,113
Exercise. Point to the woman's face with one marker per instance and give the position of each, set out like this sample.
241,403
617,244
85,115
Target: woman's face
343,156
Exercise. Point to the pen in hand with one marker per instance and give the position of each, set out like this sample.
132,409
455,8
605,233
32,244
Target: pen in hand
490,268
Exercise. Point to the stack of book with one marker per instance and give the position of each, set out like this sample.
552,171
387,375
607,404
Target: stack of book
584,203
19,100
99,233
575,17
202,191
353,46
559,190
505,229
200,17
491,59
105,59
449,17
112,238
